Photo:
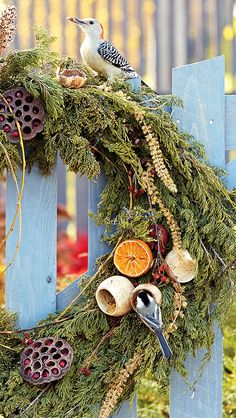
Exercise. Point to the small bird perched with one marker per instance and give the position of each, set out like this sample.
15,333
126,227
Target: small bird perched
101,55
150,312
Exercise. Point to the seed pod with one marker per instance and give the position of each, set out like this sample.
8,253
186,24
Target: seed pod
45,360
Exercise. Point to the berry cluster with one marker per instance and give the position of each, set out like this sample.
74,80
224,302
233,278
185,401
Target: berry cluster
85,371
133,185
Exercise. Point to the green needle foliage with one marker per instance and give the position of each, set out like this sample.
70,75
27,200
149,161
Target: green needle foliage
94,129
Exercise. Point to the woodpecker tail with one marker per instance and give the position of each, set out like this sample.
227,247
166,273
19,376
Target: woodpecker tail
165,348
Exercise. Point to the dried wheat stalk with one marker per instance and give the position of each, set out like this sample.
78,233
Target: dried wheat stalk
118,386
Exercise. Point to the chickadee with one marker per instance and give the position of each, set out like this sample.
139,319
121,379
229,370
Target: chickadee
150,312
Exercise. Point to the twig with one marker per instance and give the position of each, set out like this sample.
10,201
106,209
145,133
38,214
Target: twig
8,348
87,361
20,194
52,323
219,258
35,400
231,265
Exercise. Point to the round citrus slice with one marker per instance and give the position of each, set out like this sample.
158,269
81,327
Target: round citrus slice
133,258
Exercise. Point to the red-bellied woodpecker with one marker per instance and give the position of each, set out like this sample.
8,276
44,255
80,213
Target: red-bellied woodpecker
100,54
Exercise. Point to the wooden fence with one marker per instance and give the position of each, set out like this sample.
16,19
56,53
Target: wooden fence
31,282
155,36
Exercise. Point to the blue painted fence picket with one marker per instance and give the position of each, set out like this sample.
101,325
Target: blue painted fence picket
31,281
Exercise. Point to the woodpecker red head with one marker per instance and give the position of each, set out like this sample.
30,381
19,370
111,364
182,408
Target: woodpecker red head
100,54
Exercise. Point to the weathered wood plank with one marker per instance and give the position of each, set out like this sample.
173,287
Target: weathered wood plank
231,170
201,86
31,280
230,123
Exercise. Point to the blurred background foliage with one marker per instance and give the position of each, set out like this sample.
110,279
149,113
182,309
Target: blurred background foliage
155,36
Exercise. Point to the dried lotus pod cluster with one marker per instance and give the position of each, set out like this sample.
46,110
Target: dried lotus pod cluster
27,110
45,360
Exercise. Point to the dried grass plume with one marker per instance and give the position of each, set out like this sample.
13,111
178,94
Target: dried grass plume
7,27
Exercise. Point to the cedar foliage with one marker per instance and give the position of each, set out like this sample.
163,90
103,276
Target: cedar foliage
92,129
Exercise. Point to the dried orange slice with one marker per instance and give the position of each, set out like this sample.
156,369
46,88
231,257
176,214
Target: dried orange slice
133,257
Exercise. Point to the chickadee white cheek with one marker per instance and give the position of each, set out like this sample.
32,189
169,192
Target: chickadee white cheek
139,304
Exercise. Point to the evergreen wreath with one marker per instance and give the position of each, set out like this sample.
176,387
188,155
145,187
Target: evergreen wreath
155,175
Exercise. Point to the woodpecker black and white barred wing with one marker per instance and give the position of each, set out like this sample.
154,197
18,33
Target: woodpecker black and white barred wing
111,55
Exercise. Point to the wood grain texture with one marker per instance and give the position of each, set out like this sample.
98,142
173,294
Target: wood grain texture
231,170
29,291
230,140
230,123
201,86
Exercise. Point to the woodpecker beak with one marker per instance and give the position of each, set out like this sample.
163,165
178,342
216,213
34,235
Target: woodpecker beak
76,20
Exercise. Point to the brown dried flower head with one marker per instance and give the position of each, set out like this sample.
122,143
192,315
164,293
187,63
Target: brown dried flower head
7,27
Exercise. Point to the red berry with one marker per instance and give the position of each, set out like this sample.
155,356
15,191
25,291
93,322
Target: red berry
81,370
45,373
165,266
156,276
131,188
87,372
152,231
163,234
6,128
15,134
26,361
135,192
159,232
163,278
36,375
141,191
162,250
2,118
55,371
62,363
30,341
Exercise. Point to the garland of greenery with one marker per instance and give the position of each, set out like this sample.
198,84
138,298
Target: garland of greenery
94,129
